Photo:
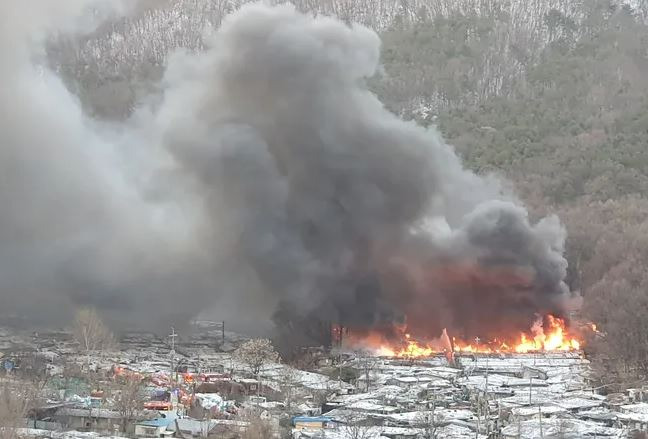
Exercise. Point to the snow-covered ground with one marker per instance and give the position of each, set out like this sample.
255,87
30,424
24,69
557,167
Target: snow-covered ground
521,395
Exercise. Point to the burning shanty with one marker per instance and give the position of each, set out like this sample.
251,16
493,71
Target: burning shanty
550,334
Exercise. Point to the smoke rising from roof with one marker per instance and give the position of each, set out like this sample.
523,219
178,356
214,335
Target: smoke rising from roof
265,174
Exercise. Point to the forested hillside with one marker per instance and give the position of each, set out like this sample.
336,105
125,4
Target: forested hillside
551,94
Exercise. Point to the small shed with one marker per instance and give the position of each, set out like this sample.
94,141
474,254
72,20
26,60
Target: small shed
89,419
311,422
152,428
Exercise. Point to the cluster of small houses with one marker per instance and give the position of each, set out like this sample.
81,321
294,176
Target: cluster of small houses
524,396
497,396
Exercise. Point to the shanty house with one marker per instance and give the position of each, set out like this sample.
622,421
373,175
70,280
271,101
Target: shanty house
311,422
152,428
88,419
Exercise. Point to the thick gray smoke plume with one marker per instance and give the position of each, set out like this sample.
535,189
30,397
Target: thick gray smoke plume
77,226
324,195
267,174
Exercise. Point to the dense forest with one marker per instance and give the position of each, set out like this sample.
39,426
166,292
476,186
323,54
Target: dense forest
550,94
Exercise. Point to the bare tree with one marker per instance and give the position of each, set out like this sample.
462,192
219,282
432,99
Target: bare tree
289,380
72,372
33,369
428,424
256,426
355,428
128,398
564,429
256,353
91,332
367,365
322,396
617,303
16,399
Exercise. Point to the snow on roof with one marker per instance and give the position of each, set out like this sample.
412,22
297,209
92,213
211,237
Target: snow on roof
544,409
440,415
311,419
399,431
343,413
211,400
457,432
588,395
88,413
407,371
539,396
159,422
446,415
269,405
438,383
515,364
641,407
633,417
415,379
449,431
384,392
495,380
372,406
409,417
598,414
36,433
309,380
557,427
196,426
575,403
442,371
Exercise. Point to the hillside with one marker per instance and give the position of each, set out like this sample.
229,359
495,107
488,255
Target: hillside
550,94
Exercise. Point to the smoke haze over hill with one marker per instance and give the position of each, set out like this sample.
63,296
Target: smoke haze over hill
264,174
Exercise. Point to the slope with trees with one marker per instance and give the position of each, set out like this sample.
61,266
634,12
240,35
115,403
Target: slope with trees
551,94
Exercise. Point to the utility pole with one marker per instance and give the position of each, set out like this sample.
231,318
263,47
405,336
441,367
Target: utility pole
479,400
487,407
477,340
530,383
486,398
366,369
478,416
340,372
173,336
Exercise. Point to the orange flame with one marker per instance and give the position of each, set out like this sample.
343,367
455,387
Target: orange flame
551,337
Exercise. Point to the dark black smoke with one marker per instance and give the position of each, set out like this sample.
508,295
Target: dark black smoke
266,180
325,195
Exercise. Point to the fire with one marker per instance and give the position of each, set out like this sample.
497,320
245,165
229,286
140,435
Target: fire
545,335
553,338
